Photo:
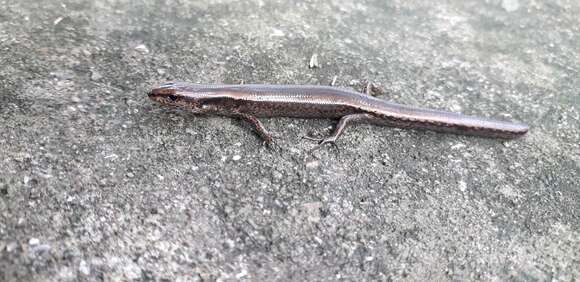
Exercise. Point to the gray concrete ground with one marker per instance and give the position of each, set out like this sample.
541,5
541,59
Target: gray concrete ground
97,183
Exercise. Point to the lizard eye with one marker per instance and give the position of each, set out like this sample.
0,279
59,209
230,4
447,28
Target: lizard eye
172,97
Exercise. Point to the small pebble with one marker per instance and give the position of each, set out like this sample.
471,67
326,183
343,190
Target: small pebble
33,241
141,48
313,61
236,157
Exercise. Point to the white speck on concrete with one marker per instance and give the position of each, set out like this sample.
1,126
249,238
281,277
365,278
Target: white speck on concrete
277,33
318,240
84,268
242,274
11,246
33,241
462,186
236,157
510,5
458,146
132,271
112,157
313,164
141,48
314,61
57,21
509,192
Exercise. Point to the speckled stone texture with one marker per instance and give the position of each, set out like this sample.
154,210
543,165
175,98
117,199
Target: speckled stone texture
98,183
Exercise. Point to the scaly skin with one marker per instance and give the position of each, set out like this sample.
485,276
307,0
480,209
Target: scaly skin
249,102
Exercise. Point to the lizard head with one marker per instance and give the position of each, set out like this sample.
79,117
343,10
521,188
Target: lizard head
194,98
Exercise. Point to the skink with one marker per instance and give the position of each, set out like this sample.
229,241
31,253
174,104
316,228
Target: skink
252,101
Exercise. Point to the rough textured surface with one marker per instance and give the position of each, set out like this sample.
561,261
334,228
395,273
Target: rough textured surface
97,183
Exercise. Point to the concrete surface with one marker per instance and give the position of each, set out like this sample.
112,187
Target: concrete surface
97,183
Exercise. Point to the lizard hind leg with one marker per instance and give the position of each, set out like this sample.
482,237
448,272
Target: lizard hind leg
339,129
